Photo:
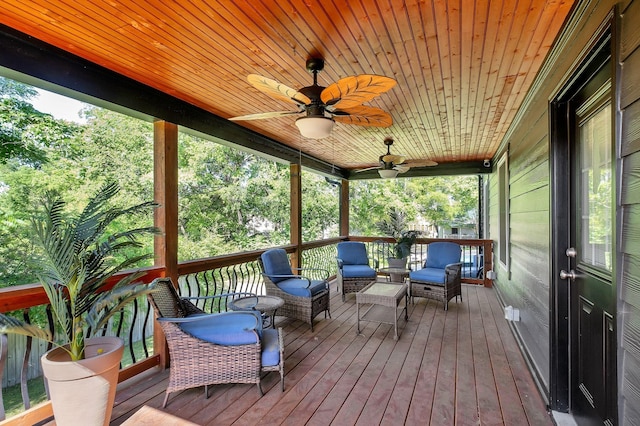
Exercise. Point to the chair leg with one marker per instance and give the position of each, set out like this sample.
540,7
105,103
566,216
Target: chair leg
260,390
166,397
206,392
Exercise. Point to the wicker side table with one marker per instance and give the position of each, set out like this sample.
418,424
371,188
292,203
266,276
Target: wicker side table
383,294
267,305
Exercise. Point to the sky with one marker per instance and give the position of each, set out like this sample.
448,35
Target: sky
58,106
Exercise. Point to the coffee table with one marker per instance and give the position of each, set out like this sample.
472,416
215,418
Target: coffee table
267,305
383,293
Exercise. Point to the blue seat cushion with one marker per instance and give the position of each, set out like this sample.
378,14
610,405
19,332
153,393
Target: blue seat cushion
227,328
358,271
298,287
276,262
353,253
432,275
270,348
440,254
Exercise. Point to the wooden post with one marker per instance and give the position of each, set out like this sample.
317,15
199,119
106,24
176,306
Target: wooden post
488,262
296,213
165,192
344,208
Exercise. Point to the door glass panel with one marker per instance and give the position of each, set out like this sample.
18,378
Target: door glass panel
595,187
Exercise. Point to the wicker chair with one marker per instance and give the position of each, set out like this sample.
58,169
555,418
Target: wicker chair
440,277
354,272
304,298
207,349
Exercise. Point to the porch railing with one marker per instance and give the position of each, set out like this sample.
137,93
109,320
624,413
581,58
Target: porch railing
19,357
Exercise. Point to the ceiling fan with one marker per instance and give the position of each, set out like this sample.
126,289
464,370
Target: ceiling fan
341,101
391,165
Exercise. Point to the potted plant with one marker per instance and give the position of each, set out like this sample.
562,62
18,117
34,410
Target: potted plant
395,226
78,257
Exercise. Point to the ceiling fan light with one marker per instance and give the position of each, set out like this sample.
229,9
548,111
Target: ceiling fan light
315,127
388,173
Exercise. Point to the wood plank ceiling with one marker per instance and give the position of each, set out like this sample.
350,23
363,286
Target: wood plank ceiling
462,67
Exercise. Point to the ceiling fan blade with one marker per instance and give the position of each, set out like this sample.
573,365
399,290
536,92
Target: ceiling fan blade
352,91
277,90
367,169
402,168
263,115
395,159
423,163
364,116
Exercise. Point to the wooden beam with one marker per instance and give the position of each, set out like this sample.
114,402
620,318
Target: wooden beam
165,137
296,212
344,208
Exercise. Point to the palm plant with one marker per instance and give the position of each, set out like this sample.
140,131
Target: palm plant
395,226
79,257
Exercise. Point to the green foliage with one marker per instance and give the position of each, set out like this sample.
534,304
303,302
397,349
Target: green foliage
395,225
77,260
25,133
436,201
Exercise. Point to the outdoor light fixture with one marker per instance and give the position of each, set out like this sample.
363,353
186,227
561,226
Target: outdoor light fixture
315,127
388,173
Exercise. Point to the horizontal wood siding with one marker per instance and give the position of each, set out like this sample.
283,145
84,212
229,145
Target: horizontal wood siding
527,287
629,260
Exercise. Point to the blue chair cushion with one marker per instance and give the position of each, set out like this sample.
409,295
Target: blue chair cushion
432,275
353,253
226,328
270,348
439,255
298,287
358,271
276,262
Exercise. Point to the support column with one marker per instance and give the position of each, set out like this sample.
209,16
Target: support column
344,208
165,193
296,213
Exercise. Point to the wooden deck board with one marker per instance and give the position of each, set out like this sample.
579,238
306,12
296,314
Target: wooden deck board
459,367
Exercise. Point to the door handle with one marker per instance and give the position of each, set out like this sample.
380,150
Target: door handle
571,275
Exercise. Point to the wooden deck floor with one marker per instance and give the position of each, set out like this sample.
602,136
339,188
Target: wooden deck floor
459,367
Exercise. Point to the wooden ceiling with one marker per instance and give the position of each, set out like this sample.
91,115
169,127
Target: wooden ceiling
462,67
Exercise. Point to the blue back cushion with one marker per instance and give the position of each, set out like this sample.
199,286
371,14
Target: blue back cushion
276,262
439,255
353,253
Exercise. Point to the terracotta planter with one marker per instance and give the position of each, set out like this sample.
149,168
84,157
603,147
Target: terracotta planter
84,391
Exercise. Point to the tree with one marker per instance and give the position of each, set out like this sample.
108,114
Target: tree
25,133
438,201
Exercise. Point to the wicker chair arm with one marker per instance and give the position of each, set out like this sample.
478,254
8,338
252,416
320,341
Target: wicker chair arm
324,271
453,267
218,296
340,262
205,317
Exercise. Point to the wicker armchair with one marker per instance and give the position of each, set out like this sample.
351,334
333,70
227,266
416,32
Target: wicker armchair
304,298
440,277
354,272
207,349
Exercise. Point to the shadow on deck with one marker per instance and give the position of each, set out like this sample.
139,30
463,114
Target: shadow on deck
459,367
